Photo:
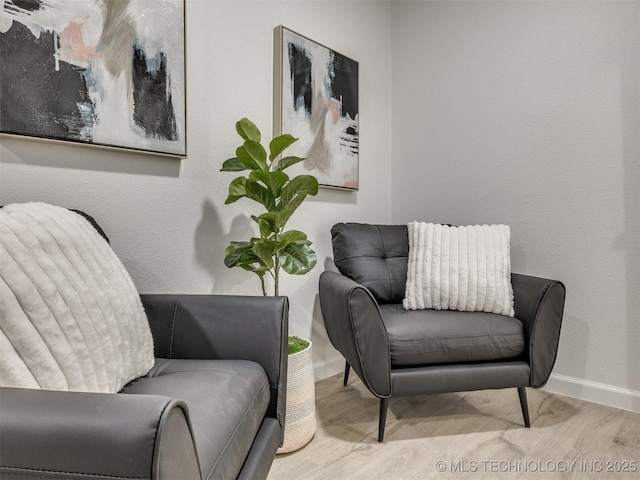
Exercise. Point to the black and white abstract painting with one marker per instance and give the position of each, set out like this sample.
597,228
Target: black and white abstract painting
316,101
96,72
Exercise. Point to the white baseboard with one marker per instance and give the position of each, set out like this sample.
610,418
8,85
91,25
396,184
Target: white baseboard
609,395
327,368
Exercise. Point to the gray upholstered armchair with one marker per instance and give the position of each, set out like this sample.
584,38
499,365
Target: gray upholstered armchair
398,352
212,406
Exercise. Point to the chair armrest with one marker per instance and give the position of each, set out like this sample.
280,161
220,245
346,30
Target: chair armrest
225,327
354,325
91,435
539,304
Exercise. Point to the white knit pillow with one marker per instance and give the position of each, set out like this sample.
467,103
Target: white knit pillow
464,268
70,315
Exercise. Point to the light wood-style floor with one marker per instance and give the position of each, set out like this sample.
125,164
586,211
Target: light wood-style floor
471,435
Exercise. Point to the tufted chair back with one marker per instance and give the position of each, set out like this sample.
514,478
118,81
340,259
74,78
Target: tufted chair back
374,256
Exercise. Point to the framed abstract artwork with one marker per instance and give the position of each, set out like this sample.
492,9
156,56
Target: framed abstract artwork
316,101
107,73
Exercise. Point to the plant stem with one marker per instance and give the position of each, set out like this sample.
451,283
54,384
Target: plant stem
264,290
276,279
276,268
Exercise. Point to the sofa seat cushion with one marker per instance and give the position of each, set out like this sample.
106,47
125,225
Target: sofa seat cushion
424,337
226,399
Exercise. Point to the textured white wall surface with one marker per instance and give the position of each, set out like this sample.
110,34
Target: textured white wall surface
528,113
525,113
166,219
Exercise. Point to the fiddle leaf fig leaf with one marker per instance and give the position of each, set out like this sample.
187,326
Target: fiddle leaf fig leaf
279,144
297,258
274,181
246,159
257,153
247,130
293,236
296,191
237,190
287,162
233,165
260,194
265,252
238,245
277,219
234,252
266,227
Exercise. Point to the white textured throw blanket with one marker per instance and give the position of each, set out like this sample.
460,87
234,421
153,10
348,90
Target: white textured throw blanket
70,317
459,268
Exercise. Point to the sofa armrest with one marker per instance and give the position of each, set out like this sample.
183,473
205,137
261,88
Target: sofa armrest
354,325
539,304
225,327
91,435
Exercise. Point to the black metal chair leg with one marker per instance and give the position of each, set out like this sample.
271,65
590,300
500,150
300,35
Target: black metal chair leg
522,393
384,403
347,368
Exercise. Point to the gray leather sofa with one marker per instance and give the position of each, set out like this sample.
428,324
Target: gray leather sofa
212,407
399,352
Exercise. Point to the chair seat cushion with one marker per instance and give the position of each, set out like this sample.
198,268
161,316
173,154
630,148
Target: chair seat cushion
227,400
424,337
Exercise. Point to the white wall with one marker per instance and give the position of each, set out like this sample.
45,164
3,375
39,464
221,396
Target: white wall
167,219
528,113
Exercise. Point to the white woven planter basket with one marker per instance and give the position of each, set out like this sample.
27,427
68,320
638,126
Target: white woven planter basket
300,424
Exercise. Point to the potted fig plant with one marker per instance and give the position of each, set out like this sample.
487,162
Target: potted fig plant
274,249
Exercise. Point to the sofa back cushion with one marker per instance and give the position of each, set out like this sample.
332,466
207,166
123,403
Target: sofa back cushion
70,316
374,256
